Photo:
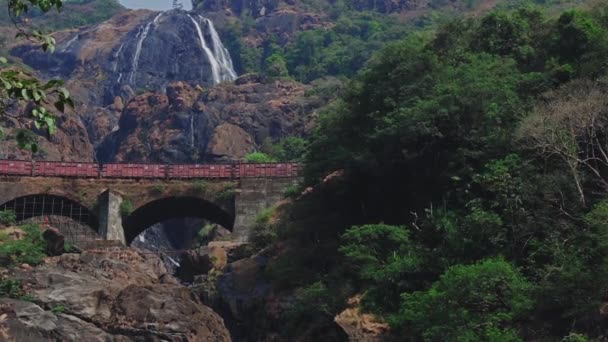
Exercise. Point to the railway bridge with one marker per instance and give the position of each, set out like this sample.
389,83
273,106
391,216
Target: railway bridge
89,201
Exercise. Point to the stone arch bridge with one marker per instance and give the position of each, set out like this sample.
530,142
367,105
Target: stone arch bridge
120,209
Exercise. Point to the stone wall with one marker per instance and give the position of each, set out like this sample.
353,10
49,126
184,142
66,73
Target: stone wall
253,196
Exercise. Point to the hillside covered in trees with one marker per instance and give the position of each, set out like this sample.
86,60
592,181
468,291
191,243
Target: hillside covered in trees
455,161
468,201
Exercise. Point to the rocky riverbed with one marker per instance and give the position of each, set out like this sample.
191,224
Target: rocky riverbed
115,294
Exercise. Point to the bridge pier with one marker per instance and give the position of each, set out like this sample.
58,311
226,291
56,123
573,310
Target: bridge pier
253,196
110,217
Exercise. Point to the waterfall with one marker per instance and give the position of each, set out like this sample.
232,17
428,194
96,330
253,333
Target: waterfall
219,58
142,34
70,43
172,260
192,131
215,67
116,55
221,53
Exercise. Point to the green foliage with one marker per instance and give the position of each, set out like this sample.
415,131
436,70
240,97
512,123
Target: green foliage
29,250
12,288
70,248
379,254
27,91
259,157
293,191
264,231
157,190
58,309
126,207
7,218
343,49
478,302
312,301
574,337
290,149
203,234
200,186
429,138
227,193
275,66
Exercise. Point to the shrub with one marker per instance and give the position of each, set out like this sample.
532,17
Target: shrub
126,207
290,149
227,193
29,250
7,218
157,190
478,302
293,191
259,157
264,233
12,288
199,186
58,309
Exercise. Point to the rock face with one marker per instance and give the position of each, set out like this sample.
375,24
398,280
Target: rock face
192,124
111,295
135,51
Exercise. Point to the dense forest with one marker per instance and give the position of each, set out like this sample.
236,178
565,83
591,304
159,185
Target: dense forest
468,194
457,183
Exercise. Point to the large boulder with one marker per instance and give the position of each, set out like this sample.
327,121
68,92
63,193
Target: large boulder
230,141
117,294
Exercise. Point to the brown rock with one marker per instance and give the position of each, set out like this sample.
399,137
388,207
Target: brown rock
361,327
112,294
118,104
181,96
230,141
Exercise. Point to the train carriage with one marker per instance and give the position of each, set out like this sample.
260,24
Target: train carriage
66,169
219,171
15,167
133,171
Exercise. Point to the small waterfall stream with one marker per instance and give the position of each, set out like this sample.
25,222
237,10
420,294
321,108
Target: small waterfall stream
192,131
221,53
215,67
142,36
219,58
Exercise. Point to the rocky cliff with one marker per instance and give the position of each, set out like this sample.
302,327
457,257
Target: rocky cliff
189,124
112,295
158,86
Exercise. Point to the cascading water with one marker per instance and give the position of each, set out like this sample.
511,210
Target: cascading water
142,34
215,67
69,44
192,131
221,53
219,58
173,45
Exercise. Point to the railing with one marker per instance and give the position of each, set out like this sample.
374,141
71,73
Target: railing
148,171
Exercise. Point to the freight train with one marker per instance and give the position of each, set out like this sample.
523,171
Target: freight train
148,171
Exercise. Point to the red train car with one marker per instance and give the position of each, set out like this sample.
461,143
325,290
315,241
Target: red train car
133,171
273,170
66,169
223,171
15,167
194,171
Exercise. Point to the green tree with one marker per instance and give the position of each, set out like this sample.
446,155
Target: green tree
385,260
24,99
275,66
479,302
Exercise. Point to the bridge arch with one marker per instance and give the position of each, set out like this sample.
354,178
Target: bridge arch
167,208
31,206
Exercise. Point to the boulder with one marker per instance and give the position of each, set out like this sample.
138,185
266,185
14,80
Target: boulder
55,242
231,141
114,294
